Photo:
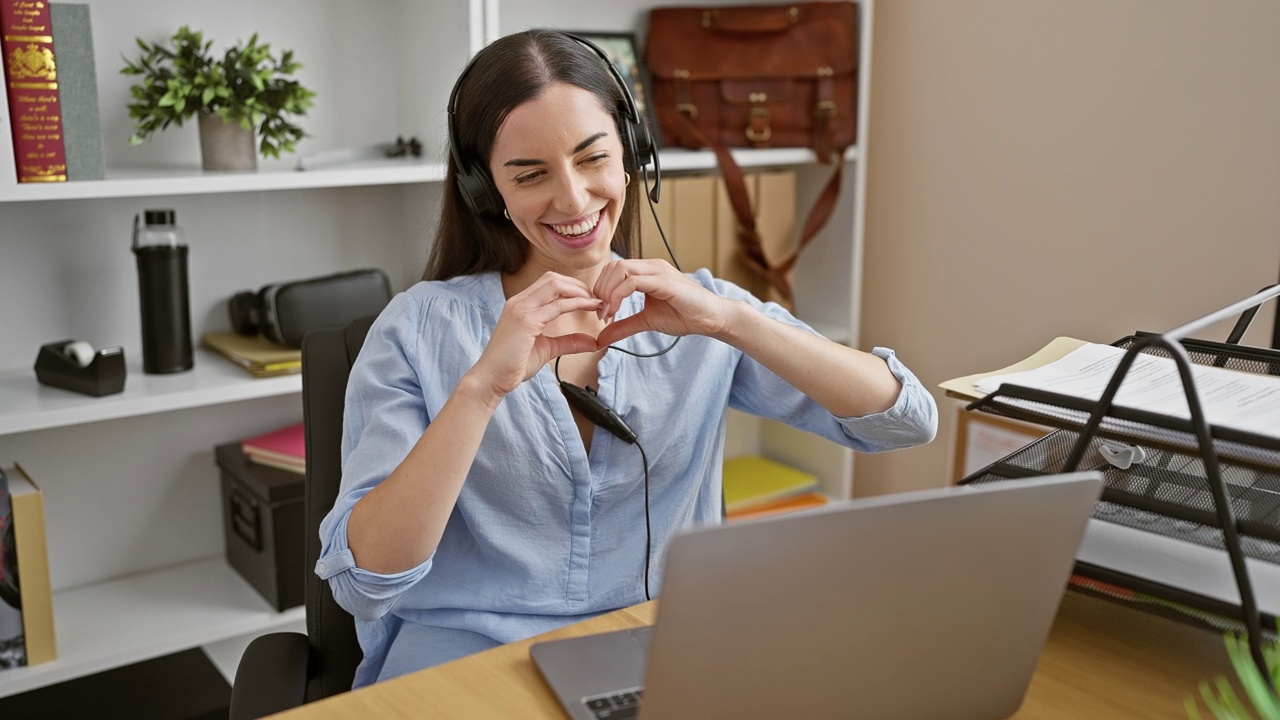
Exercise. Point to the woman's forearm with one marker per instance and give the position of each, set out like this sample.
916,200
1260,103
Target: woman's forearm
844,381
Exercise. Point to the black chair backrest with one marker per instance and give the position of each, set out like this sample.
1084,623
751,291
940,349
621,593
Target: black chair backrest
327,355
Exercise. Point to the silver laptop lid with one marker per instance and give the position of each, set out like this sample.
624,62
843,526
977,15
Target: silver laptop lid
920,605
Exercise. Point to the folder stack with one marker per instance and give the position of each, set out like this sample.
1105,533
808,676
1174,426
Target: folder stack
257,355
758,487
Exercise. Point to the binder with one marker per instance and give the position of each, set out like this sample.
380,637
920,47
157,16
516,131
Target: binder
1201,483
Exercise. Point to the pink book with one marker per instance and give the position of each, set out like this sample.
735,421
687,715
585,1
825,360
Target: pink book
286,442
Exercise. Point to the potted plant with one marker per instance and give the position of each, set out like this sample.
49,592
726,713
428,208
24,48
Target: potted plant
247,89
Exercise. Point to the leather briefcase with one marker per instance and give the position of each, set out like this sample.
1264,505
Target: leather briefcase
758,76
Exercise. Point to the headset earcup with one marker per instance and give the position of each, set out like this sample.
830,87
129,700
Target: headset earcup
478,191
245,310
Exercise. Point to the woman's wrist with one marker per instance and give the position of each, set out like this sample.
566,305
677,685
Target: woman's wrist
737,320
478,389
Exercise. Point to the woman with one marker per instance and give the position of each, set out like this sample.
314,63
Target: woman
476,506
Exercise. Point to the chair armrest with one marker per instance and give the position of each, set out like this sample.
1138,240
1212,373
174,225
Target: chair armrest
271,676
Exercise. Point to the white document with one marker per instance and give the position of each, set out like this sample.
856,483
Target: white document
1231,399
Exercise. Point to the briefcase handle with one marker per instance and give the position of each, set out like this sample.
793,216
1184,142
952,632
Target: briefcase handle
751,19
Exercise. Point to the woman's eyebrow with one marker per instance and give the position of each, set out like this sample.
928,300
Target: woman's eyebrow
523,162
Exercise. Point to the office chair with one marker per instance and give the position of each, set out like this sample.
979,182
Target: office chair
283,670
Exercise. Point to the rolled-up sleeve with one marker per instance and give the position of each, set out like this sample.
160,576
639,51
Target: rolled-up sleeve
911,421
366,595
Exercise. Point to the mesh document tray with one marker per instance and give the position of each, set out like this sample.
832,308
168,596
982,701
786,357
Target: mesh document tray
1166,493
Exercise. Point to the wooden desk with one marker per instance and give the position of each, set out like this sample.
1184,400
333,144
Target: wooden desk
1101,661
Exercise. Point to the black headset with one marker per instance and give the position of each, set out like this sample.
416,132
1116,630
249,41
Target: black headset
476,185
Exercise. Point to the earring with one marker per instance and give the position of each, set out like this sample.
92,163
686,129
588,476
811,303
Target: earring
506,214
628,179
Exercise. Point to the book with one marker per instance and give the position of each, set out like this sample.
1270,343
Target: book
31,85
752,481
77,90
257,355
26,571
777,507
693,202
13,647
8,169
285,449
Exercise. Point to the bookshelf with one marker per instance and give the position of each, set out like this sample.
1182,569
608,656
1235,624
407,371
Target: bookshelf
131,490
187,605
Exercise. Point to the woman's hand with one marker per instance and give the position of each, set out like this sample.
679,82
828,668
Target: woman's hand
673,304
518,348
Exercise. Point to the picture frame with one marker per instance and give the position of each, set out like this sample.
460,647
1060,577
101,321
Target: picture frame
623,51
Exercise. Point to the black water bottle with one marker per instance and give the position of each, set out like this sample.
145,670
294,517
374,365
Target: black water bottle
162,292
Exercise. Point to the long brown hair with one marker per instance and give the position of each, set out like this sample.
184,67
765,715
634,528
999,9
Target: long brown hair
511,71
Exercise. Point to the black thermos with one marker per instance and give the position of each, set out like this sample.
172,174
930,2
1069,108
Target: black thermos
162,292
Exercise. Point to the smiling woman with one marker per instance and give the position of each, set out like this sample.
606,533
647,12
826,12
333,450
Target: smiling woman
478,505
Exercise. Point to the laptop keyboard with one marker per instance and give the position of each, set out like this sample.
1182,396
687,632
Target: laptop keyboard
615,706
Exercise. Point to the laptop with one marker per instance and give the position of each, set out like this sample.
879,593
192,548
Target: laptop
926,604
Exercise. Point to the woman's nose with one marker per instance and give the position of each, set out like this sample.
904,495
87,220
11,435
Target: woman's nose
574,196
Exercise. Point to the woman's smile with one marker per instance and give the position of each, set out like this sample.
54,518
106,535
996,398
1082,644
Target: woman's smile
577,234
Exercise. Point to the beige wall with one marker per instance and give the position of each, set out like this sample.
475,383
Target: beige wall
1043,168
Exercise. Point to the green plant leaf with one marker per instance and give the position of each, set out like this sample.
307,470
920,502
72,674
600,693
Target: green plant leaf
1255,686
1219,710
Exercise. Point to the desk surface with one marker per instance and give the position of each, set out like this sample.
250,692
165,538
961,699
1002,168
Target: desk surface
1102,661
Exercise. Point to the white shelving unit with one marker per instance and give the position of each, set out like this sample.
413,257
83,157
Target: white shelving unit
152,182
26,406
131,490
152,614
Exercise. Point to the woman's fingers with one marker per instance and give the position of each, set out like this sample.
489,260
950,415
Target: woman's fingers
569,345
621,329
621,278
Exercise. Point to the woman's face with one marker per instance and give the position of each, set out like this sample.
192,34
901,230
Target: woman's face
557,161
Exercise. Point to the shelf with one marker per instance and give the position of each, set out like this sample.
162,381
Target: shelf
154,182
26,405
151,182
679,160
144,616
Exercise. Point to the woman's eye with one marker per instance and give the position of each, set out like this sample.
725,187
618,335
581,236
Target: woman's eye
597,158
528,177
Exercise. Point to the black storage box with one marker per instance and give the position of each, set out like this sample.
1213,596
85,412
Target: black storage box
262,520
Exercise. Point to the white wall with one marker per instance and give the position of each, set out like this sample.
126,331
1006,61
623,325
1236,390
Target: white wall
1040,169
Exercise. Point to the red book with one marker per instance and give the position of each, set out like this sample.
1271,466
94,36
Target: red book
284,448
31,81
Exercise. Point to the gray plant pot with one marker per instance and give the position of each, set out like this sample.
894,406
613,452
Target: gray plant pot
226,145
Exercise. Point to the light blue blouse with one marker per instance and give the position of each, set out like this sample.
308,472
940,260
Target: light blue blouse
544,533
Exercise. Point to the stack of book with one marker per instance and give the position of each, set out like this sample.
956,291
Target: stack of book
257,355
757,487
285,449
26,600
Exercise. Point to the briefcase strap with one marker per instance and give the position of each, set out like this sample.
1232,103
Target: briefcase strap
750,246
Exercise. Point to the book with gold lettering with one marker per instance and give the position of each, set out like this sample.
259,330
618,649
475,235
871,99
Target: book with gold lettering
31,84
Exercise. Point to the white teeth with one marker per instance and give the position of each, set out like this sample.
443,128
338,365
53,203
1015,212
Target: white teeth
578,228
